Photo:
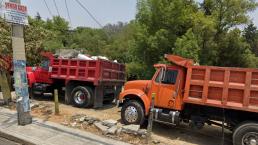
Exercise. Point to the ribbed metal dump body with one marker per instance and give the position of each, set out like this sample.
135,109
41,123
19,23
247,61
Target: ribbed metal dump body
88,70
233,88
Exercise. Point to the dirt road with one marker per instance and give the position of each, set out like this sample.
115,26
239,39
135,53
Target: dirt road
168,135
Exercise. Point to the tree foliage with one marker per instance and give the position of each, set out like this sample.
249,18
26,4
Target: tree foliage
207,32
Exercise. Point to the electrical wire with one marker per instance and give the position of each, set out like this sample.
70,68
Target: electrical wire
48,8
68,12
56,7
89,13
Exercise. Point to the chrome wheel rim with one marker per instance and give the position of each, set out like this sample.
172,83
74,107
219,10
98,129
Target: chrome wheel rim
131,114
80,97
251,138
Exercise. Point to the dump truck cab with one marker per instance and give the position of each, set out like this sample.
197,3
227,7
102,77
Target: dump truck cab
42,72
167,83
39,77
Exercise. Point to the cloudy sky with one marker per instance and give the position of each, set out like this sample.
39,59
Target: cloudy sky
105,11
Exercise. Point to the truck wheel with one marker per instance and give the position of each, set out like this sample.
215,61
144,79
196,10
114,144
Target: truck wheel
246,134
82,96
132,113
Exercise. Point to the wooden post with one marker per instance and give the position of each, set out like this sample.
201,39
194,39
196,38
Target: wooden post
5,87
150,119
56,102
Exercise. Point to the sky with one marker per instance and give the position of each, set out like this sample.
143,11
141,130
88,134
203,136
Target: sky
105,11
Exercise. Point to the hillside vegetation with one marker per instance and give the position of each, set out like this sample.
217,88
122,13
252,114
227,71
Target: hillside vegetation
214,32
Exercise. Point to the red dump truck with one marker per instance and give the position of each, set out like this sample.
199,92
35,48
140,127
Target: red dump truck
198,95
86,83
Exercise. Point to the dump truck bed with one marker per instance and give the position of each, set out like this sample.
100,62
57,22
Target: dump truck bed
224,87
96,71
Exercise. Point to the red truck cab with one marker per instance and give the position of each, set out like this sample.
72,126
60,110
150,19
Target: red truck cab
41,73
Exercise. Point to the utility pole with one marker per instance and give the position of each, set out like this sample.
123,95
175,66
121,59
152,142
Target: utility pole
20,75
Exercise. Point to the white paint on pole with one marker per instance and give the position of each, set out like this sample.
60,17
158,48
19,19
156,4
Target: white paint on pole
14,13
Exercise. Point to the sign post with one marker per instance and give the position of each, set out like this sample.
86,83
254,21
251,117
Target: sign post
16,14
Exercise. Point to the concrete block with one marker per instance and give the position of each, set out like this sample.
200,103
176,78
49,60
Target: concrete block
109,122
131,128
112,130
101,127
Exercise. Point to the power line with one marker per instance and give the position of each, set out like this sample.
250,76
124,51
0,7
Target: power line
56,8
68,12
89,13
48,8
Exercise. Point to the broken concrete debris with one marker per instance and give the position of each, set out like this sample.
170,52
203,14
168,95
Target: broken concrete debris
108,127
131,128
102,128
109,123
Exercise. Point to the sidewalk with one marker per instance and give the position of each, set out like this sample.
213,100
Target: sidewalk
47,133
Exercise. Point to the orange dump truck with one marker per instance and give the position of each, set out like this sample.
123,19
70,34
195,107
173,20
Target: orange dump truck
198,95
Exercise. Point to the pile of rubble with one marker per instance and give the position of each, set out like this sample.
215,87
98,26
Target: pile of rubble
75,54
107,127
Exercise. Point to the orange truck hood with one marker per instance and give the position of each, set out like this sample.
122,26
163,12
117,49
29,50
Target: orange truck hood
139,84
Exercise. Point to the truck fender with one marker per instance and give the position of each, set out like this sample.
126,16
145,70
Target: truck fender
139,94
31,79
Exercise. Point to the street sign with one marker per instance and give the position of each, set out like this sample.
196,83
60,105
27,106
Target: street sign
14,13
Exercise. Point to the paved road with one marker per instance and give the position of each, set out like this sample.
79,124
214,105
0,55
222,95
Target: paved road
4,141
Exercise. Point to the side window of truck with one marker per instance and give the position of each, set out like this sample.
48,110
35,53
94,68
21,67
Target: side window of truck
45,64
170,77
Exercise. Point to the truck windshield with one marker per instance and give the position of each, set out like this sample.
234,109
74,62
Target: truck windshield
45,64
170,77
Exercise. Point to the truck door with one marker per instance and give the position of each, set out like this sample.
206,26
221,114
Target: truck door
166,89
42,72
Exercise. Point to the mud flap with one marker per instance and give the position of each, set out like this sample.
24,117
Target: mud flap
98,96
68,90
117,92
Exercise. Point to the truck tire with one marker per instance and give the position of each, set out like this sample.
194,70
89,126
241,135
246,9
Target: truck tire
246,134
132,113
82,96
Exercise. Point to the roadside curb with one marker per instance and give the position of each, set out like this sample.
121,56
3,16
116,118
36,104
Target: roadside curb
15,139
46,133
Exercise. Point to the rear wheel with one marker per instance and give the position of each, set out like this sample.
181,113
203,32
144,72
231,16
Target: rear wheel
132,113
82,96
246,134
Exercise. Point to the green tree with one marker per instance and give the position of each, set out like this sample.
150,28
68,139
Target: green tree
5,38
35,36
229,13
187,46
89,40
251,36
235,51
120,44
225,14
160,22
60,33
